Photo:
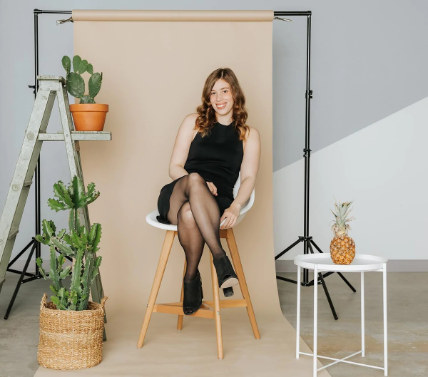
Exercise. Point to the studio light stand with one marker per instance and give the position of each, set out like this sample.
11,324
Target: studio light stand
308,242
33,246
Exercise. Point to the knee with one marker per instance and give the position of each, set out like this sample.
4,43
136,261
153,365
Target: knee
185,215
196,178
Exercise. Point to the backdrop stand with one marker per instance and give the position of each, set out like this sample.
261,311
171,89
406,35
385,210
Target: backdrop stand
307,240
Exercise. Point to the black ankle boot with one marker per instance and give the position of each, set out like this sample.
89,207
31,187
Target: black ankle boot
225,273
228,292
192,294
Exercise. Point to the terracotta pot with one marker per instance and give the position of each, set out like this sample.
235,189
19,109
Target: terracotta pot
89,116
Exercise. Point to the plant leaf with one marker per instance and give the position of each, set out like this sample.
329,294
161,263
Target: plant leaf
66,63
76,62
94,84
75,85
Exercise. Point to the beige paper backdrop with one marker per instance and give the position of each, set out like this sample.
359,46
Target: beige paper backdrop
153,74
154,66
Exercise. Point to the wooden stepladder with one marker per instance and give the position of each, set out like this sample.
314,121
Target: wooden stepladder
50,87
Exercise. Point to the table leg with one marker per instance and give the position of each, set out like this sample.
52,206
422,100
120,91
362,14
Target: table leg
385,324
315,350
298,314
363,327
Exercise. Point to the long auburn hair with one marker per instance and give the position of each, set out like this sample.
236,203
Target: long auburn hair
206,114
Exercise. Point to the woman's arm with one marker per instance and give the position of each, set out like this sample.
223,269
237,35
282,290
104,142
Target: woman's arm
249,168
184,138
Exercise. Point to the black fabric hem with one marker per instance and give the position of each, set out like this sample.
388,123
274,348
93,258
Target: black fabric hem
223,202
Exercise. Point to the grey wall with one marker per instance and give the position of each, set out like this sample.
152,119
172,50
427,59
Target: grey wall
369,60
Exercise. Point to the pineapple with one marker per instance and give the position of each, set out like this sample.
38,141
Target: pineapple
342,247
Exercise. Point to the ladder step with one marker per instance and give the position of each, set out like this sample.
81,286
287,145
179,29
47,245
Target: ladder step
76,136
28,183
13,232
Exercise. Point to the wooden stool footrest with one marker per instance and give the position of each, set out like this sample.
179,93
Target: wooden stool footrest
177,308
229,303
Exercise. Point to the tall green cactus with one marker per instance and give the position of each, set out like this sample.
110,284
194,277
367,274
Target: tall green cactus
74,80
79,243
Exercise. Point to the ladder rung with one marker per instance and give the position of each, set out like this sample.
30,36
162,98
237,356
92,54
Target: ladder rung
51,77
28,183
76,136
13,232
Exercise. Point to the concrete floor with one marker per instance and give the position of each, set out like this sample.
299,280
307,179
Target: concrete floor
19,335
407,322
407,330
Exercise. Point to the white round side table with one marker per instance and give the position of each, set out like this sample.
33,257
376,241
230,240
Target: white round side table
361,264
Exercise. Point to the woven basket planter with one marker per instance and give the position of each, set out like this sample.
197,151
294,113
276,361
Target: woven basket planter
70,339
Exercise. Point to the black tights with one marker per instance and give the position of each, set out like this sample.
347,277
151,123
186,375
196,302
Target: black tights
195,211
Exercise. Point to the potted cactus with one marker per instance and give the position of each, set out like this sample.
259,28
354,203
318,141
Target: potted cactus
87,115
71,327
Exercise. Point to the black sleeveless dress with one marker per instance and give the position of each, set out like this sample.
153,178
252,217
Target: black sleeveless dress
217,157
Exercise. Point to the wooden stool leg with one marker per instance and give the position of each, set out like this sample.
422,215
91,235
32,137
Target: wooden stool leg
217,318
166,249
233,248
180,316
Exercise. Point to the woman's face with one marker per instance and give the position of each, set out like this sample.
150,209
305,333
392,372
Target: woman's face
221,98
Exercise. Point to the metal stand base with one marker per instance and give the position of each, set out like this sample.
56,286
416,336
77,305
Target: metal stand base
33,244
306,283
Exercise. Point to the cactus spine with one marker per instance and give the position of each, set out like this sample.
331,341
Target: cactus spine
80,244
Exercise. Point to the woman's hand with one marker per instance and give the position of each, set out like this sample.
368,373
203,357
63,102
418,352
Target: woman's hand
230,216
212,188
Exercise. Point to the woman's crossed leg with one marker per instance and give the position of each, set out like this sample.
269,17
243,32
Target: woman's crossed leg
196,213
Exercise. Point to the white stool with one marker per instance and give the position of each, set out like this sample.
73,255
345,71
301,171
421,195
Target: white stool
209,309
323,262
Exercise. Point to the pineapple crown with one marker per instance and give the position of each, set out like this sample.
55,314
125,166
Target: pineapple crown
341,214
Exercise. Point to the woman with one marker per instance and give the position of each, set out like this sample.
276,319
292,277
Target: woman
212,147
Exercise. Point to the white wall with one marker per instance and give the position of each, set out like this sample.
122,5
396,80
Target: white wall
382,169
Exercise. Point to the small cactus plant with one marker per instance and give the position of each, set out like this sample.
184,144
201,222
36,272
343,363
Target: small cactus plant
74,80
80,244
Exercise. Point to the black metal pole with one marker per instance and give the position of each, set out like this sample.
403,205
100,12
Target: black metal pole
37,178
292,13
40,11
307,150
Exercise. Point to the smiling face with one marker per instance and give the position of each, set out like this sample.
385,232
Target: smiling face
221,100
